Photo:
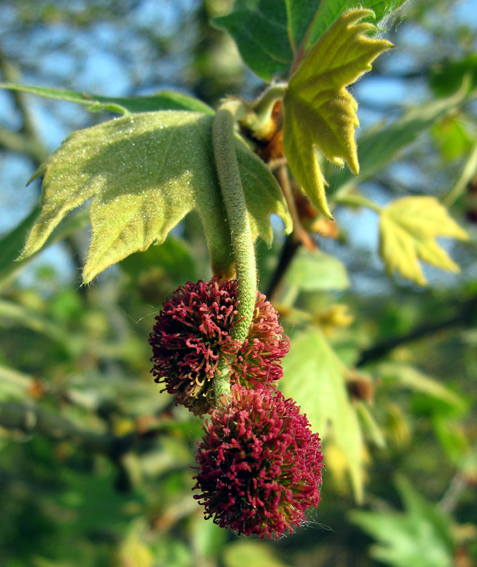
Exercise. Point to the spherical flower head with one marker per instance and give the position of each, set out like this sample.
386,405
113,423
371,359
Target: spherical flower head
193,337
259,464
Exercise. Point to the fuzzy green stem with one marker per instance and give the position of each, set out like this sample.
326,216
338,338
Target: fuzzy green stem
223,138
259,116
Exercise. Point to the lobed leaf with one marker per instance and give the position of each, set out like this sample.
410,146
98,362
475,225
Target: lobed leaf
407,230
144,173
382,143
420,536
315,377
331,10
272,34
164,100
318,110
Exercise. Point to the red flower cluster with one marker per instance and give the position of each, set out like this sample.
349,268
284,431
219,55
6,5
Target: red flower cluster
259,464
192,337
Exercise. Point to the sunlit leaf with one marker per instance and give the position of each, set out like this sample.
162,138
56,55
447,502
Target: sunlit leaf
419,536
313,270
330,10
271,34
382,143
164,100
319,111
408,228
315,377
144,173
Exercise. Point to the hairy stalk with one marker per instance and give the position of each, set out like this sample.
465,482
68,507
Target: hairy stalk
232,192
223,139
259,120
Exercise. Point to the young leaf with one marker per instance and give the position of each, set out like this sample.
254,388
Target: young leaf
164,100
420,536
407,230
319,111
270,34
380,144
315,377
330,10
144,173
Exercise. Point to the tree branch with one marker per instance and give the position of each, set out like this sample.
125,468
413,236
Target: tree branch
31,419
464,316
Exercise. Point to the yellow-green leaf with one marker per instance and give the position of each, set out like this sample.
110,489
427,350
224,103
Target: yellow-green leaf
407,231
319,111
144,173
315,377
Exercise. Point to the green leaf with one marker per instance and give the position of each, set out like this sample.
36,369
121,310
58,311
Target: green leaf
242,553
408,228
382,143
315,377
269,32
420,536
20,315
319,111
316,271
12,243
164,100
174,257
447,77
144,173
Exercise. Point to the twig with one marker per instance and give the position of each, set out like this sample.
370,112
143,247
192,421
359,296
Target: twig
464,316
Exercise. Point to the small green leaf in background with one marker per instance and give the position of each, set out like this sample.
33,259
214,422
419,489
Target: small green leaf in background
269,32
319,111
312,270
164,100
452,138
447,77
242,553
315,377
144,173
421,536
408,228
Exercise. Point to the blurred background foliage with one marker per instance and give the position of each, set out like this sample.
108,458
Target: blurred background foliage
94,461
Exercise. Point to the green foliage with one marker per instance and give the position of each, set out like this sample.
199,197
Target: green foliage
269,32
420,536
272,34
138,198
382,143
319,111
316,378
164,100
313,271
408,228
95,460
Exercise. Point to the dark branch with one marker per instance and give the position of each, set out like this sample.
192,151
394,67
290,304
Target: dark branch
464,316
